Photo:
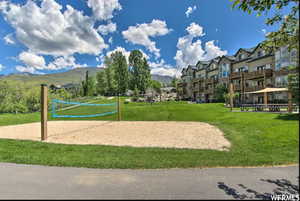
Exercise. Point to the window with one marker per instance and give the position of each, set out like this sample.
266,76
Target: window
259,53
260,68
241,56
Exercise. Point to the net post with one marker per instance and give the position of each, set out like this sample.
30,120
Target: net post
119,108
44,111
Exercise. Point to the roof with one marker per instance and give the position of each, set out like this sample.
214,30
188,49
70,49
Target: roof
249,50
267,90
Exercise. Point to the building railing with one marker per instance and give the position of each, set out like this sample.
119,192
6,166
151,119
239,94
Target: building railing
268,107
258,73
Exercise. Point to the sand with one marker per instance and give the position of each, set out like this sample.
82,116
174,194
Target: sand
166,134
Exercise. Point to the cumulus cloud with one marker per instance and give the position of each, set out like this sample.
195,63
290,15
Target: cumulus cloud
47,30
108,28
35,63
195,30
161,68
189,52
64,62
190,10
9,39
104,9
141,33
32,60
27,69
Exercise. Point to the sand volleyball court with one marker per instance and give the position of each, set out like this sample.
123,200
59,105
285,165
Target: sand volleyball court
167,134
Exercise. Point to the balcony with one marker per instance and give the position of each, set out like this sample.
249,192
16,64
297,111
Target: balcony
201,89
209,91
211,80
237,87
258,74
235,75
253,88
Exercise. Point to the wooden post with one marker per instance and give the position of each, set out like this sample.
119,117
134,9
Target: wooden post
290,103
231,95
265,100
119,108
44,111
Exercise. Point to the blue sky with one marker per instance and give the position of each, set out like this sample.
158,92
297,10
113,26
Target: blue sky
47,36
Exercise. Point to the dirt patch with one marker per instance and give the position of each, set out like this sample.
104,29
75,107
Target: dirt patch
191,135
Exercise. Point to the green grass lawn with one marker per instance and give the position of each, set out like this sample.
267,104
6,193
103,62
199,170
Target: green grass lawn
256,138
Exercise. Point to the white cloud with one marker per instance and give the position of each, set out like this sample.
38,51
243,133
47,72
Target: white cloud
141,33
161,68
33,63
195,30
64,62
103,9
106,29
9,39
190,10
1,67
190,52
264,31
47,30
27,69
32,60
213,51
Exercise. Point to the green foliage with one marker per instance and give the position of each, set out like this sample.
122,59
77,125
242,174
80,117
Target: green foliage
139,72
109,73
17,98
136,94
120,68
174,82
101,86
156,86
220,90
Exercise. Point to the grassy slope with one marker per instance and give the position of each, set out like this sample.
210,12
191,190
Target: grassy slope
257,139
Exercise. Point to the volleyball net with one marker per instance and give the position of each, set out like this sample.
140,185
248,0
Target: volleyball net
69,109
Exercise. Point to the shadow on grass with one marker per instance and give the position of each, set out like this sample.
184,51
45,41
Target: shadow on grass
283,187
288,117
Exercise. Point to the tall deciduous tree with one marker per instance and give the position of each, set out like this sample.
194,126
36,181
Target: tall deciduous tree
109,73
139,71
101,85
120,68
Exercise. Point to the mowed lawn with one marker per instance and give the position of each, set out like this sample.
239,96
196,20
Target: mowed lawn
257,139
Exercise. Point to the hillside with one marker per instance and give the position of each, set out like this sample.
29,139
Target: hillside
71,76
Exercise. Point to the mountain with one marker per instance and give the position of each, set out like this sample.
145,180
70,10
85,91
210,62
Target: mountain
72,76
162,78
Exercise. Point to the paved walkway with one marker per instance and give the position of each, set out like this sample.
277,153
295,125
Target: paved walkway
40,182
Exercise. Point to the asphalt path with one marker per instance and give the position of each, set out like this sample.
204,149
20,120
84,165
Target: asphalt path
42,182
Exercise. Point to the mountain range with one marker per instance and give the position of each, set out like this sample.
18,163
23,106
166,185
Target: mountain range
72,76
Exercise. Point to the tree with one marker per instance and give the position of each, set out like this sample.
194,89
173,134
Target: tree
139,71
109,74
156,86
84,84
174,82
286,35
120,68
101,86
220,90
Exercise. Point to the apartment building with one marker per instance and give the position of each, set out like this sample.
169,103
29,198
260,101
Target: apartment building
249,69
